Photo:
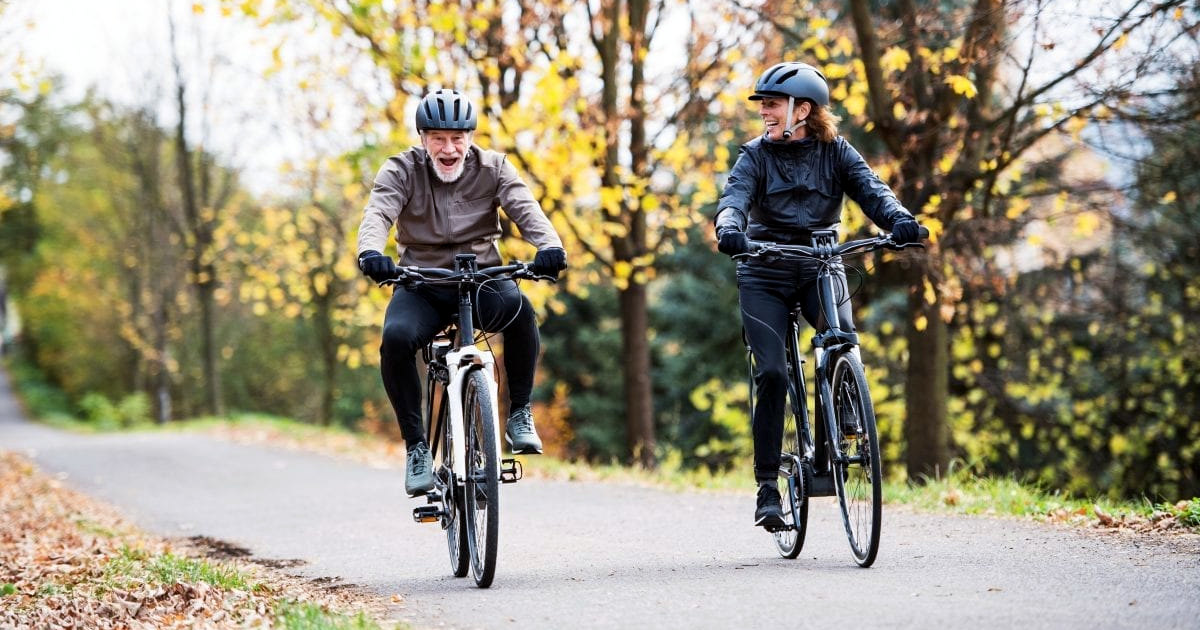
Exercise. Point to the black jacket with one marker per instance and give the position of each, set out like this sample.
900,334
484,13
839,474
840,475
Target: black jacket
781,191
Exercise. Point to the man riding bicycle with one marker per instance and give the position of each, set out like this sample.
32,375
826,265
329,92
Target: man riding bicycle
444,198
784,185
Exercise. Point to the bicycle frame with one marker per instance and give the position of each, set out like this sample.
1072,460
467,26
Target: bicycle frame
829,341
463,358
829,456
466,476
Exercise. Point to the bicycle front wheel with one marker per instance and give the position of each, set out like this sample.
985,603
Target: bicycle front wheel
858,478
482,487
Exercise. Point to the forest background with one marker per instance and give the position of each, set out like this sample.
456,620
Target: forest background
179,241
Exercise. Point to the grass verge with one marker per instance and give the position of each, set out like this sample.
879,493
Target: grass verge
67,561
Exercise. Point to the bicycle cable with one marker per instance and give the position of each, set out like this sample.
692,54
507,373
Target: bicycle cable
486,337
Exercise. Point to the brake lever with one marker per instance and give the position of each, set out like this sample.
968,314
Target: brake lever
526,274
889,243
756,251
403,280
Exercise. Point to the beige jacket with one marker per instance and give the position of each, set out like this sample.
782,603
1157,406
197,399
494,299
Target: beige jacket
435,220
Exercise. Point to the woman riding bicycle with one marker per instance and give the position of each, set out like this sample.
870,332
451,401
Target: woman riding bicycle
785,184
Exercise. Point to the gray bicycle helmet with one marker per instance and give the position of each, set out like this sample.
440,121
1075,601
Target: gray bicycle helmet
447,110
795,79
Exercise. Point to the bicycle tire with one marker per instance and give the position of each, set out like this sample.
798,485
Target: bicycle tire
452,504
858,480
792,483
482,485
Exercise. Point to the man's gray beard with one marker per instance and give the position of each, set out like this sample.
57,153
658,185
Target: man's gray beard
452,177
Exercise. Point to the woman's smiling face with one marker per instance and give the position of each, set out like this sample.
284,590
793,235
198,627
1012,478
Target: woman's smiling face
773,110
448,150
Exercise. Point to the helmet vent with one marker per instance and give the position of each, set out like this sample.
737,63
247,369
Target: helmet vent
787,75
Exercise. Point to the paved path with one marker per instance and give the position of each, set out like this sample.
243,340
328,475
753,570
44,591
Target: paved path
593,555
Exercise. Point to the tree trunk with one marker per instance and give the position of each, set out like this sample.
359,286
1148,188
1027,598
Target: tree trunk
639,406
212,376
926,429
329,362
198,238
160,367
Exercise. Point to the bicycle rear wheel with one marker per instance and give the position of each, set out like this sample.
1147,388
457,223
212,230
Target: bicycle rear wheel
482,487
452,505
792,483
857,479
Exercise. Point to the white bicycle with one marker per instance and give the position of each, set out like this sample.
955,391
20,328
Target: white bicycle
463,429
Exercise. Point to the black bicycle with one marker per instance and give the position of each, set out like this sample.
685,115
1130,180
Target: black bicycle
461,424
840,454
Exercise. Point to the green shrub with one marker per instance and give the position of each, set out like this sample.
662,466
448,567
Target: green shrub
102,413
41,398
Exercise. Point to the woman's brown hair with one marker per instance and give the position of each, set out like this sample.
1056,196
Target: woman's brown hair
822,123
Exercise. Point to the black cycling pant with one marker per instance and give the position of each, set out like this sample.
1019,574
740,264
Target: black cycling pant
767,295
414,316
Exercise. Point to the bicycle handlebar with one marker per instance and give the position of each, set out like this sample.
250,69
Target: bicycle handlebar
861,246
515,271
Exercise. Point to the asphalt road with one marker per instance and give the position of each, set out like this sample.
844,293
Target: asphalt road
595,555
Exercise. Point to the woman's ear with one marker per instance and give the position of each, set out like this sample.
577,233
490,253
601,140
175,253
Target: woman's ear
803,109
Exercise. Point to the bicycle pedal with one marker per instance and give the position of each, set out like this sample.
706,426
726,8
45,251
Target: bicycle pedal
433,496
427,514
511,471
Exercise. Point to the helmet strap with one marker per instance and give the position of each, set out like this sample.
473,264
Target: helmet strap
787,133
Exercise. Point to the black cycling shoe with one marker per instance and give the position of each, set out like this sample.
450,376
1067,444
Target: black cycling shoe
770,510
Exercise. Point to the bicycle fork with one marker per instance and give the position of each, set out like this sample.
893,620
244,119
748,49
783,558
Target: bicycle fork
462,362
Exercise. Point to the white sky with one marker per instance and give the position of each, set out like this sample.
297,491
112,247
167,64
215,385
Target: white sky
121,48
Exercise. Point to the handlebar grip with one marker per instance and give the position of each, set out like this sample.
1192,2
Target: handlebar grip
923,232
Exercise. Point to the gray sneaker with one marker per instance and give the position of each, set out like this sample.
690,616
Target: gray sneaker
418,474
521,435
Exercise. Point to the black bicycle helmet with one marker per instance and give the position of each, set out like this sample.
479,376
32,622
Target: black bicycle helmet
446,110
792,78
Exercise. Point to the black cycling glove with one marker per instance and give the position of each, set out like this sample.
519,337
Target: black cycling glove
376,266
906,231
549,261
733,242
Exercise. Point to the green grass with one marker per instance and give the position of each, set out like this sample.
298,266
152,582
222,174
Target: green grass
170,569
964,493
967,494
135,565
308,616
92,527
